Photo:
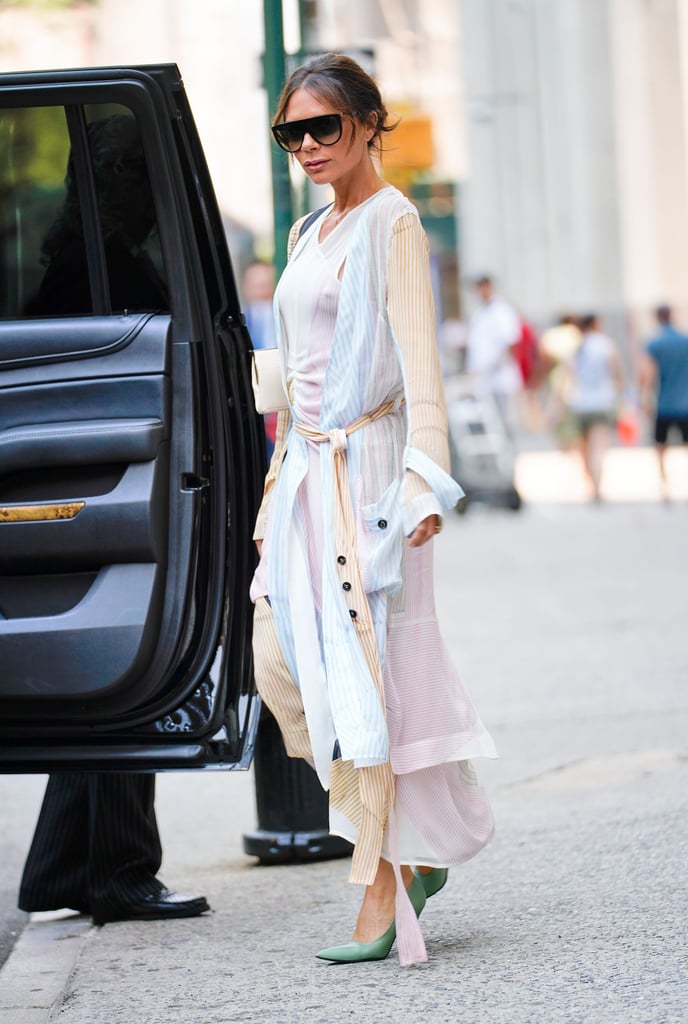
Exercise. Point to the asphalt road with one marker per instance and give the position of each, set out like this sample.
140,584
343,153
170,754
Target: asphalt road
568,623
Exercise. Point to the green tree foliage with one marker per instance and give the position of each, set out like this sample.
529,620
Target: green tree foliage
34,145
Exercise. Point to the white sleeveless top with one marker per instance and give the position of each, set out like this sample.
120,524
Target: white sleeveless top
308,300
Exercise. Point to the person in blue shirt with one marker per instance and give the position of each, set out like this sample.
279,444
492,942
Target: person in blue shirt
664,377
258,285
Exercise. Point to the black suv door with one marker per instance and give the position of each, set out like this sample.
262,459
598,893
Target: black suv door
131,457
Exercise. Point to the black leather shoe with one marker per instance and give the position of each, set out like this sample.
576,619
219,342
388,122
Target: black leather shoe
157,906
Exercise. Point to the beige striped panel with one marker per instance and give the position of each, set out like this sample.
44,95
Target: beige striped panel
278,453
411,313
362,794
275,684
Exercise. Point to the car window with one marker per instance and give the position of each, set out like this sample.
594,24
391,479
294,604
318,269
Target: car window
78,226
34,149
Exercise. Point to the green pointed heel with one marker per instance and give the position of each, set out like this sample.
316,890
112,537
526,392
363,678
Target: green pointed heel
358,952
433,881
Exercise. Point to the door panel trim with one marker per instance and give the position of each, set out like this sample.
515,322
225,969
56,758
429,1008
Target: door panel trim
39,513
61,339
79,442
148,355
81,652
124,525
100,397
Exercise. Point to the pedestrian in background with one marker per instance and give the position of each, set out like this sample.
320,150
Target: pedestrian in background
596,383
258,286
494,335
558,345
664,386
348,652
452,337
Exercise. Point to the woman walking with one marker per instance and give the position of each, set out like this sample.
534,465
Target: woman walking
347,648
595,392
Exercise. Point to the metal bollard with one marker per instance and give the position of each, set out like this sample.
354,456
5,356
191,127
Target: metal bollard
291,805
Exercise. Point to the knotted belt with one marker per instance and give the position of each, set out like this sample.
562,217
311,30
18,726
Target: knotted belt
376,782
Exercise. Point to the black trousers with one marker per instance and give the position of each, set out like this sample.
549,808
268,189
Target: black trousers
96,847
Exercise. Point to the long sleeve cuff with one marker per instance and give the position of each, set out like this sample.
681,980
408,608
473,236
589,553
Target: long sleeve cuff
418,509
444,493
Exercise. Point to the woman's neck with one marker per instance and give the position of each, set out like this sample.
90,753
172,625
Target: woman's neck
351,193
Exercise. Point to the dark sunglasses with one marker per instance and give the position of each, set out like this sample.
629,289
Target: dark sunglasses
325,130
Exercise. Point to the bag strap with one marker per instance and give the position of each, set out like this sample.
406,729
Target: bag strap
301,226
311,218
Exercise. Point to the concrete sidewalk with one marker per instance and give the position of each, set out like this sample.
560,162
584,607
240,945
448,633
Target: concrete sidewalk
576,914
568,622
630,474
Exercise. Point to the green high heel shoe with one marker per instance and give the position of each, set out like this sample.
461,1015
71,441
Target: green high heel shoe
433,881
357,952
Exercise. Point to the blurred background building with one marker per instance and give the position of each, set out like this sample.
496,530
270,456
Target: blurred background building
577,192
544,141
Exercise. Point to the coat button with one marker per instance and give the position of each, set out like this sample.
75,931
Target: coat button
382,523
353,613
346,586
341,559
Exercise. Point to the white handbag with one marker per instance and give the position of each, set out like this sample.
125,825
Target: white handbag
266,378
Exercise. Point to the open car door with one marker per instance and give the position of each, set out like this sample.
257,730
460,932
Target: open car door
131,456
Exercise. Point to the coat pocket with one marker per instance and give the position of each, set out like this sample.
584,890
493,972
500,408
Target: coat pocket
381,542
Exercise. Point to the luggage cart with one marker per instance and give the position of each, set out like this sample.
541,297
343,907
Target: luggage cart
483,456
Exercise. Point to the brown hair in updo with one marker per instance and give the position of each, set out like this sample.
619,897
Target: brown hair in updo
341,83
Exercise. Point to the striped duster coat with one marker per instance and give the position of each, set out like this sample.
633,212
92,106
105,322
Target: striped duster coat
347,647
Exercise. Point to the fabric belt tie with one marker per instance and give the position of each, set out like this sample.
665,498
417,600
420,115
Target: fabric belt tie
375,782
339,436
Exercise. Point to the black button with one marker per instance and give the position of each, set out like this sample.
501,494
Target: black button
341,559
353,613
382,523
346,586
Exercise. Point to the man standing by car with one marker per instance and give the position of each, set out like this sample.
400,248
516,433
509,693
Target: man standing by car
96,848
664,379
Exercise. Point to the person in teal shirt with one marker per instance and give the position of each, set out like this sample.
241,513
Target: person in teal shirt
664,378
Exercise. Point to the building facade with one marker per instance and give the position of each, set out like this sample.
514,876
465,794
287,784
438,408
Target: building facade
576,196
555,132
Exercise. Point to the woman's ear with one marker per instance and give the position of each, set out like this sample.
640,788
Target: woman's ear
371,125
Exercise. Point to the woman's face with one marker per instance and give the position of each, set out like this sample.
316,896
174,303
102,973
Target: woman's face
326,165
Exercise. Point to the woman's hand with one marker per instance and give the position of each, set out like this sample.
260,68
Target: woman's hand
425,531
259,547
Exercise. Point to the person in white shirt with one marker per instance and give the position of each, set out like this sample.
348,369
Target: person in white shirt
595,391
493,333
